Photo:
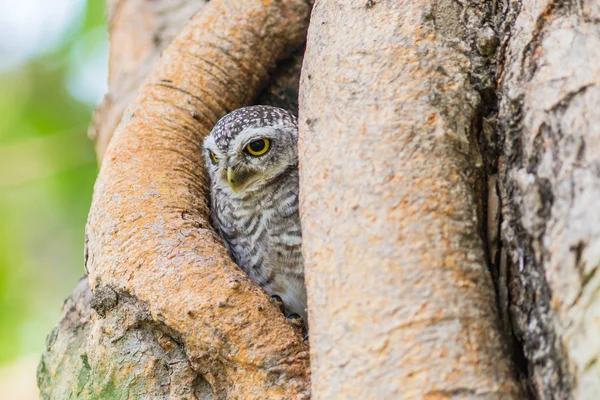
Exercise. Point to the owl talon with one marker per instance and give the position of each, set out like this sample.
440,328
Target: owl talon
294,317
279,303
297,322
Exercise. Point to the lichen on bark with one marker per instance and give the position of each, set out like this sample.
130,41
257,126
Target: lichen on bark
120,354
550,186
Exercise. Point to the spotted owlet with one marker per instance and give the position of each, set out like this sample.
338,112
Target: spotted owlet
252,159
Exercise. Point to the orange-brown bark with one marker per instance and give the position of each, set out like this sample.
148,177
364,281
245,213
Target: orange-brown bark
139,31
401,302
149,235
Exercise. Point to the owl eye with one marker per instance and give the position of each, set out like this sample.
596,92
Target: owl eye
258,147
213,158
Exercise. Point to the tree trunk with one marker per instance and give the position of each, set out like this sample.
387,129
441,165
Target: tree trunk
172,310
551,192
401,300
449,204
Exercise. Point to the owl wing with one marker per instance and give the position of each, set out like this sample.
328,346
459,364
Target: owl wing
216,219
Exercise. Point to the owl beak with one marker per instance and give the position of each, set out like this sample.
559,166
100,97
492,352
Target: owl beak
232,179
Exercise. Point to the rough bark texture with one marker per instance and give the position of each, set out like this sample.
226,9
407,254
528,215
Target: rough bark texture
63,362
139,32
172,312
551,190
400,132
154,363
401,301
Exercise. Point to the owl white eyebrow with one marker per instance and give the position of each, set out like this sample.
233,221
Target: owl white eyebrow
265,133
212,147
209,144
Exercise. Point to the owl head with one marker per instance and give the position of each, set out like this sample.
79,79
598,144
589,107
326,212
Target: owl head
251,147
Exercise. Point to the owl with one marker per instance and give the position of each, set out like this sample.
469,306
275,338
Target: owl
252,159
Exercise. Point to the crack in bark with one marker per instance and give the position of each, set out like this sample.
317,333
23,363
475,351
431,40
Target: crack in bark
542,189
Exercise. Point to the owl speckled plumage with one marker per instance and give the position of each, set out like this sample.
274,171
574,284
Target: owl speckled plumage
252,159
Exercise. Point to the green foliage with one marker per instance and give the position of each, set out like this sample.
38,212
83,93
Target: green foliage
47,171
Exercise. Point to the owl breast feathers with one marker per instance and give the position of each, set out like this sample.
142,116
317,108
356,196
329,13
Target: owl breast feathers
252,159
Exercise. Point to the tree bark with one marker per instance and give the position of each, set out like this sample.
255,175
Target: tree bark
413,114
401,301
140,30
172,310
551,190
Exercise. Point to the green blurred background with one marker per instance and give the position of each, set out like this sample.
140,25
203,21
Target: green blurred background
53,71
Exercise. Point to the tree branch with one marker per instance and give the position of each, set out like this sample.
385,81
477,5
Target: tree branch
401,302
149,238
140,30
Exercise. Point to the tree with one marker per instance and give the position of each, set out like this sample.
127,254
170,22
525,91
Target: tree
447,175
551,190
